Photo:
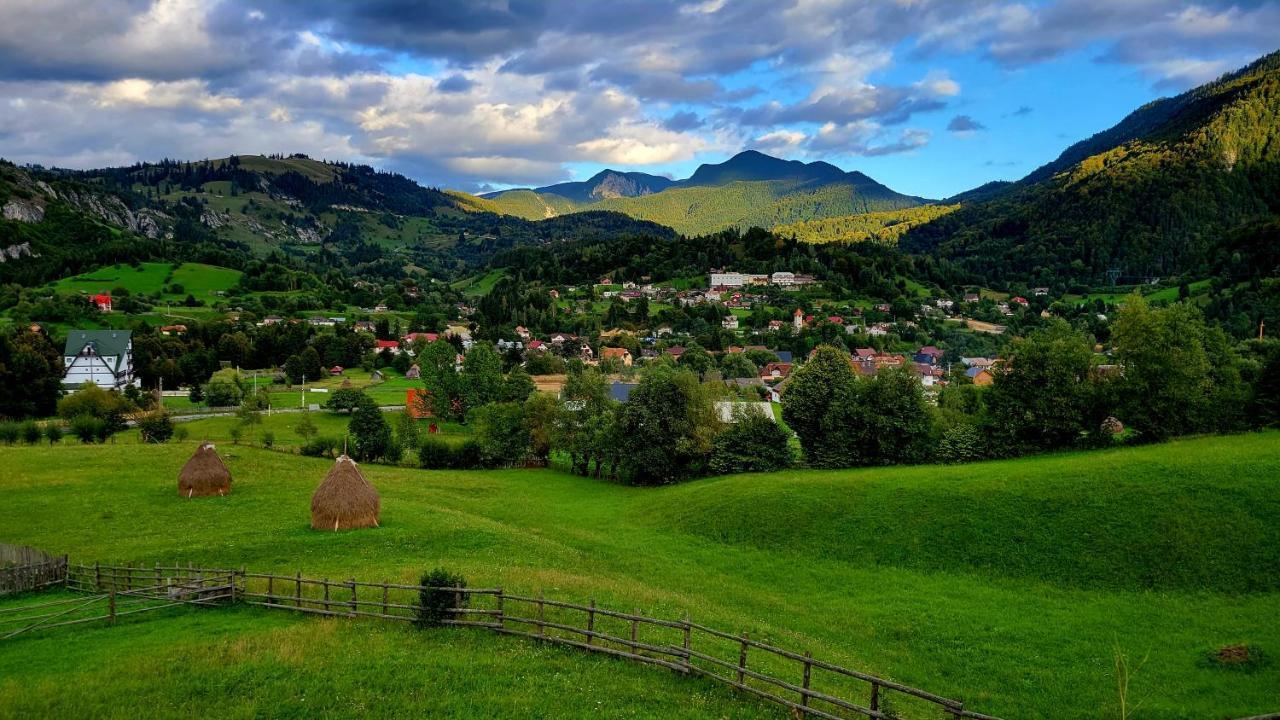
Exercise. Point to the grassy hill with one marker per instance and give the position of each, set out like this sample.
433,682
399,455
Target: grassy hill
749,189
885,226
1156,195
1008,584
153,278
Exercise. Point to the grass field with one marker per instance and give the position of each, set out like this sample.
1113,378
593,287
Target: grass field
1010,585
202,281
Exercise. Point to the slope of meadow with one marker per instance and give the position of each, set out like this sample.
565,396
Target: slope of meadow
1010,585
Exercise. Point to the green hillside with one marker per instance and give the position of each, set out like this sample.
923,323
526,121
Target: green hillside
151,278
963,580
885,226
1153,196
529,204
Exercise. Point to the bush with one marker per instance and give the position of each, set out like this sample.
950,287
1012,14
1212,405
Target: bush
87,428
222,392
155,427
434,453
237,432
320,447
9,432
436,602
180,433
960,444
31,432
268,439
752,444
467,455
53,431
370,433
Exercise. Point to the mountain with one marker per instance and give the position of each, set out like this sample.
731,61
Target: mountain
228,211
750,188
1154,196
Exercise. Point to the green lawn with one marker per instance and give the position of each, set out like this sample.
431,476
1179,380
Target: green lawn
1009,585
480,285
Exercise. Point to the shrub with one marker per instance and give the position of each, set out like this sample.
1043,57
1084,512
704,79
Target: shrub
752,444
222,392
9,432
53,431
467,455
155,427
31,432
320,447
960,444
434,453
268,439
237,432
180,433
436,602
370,433
87,428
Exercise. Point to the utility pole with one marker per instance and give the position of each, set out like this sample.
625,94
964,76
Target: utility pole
302,403
1262,325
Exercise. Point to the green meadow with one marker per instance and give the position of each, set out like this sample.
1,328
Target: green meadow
197,279
1011,585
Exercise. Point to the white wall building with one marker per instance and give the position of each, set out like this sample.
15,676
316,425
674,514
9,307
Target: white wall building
101,357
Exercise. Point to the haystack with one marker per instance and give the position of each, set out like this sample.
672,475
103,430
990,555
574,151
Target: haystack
345,500
204,474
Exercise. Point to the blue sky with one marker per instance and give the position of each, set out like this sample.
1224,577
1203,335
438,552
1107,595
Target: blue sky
931,97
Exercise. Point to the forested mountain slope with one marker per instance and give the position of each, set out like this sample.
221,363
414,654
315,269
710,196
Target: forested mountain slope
1151,197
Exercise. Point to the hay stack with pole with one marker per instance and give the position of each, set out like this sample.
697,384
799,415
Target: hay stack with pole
204,474
345,500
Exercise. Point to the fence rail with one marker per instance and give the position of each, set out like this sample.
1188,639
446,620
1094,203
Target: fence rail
807,686
23,569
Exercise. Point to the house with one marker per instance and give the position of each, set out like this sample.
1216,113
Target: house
731,412
782,355
783,279
775,325
733,279
978,362
979,376
364,326
586,353
413,373
730,322
102,302
168,330
271,320
336,370
928,355
319,321
605,280
101,357
675,351
380,308
523,332
621,391
505,345
662,330
930,375
797,319
391,346
537,345
1040,291
879,329
972,297
622,355
555,294
775,371
864,354
561,338
414,337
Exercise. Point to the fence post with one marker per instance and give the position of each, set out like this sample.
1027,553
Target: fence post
542,629
742,658
635,629
687,632
271,589
97,576
385,591
326,594
159,581
297,590
66,571
591,622
128,576
875,696
111,606
808,668
352,612
502,618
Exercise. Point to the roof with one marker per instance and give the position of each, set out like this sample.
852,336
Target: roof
105,343
388,343
783,355
612,352
931,350
621,391
974,371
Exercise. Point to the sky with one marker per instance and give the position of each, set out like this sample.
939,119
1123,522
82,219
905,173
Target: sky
931,97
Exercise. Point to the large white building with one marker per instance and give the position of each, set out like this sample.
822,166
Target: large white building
101,357
733,279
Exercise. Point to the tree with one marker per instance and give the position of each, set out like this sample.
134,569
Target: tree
697,359
92,401
346,400
666,427
753,443
481,379
809,406
1043,397
30,374
893,422
541,414
737,365
436,364
223,392
1179,375
517,387
155,427
585,395
305,365
306,427
370,433
500,429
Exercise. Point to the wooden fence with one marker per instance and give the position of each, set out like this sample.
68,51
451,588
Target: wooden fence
23,569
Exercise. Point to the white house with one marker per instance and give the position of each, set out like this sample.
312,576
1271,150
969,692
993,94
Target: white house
101,357
730,322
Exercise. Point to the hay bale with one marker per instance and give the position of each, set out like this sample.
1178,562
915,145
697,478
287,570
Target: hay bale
345,500
204,474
